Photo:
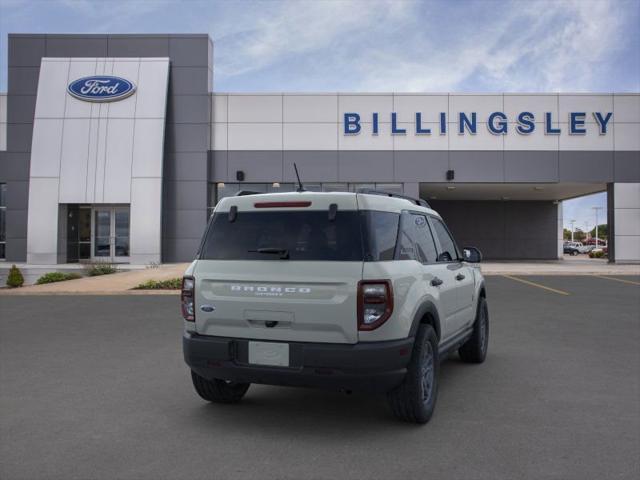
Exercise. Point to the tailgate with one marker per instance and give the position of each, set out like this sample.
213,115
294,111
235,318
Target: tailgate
299,301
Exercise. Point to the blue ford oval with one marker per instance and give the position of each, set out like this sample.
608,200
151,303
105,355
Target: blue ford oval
101,88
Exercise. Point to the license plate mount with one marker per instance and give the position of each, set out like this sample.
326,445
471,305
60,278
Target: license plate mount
269,353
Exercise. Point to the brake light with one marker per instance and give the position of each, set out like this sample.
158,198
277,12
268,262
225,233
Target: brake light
375,303
187,298
281,204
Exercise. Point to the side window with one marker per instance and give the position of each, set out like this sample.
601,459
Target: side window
416,242
380,231
448,250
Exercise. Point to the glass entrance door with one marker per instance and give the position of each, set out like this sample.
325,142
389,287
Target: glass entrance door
111,234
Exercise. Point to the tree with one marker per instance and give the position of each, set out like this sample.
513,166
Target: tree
578,235
603,231
15,278
566,234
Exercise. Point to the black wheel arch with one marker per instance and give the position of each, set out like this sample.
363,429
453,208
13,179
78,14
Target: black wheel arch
426,314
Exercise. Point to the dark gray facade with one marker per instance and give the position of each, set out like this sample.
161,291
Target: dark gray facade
499,229
186,131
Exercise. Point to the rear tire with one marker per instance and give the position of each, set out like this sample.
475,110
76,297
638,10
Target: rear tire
474,350
414,400
219,391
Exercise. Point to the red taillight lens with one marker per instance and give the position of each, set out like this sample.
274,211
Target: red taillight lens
187,298
375,303
281,204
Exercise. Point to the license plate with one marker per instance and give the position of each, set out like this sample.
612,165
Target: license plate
269,353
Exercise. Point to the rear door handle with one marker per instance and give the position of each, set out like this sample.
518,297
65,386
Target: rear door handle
460,277
436,282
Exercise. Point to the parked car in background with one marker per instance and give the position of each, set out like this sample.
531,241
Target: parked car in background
574,248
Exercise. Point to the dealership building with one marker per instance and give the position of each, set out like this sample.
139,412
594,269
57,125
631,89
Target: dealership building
117,147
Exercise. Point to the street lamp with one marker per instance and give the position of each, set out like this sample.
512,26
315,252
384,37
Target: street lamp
596,210
572,222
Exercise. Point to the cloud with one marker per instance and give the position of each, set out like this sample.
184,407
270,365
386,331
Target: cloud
406,46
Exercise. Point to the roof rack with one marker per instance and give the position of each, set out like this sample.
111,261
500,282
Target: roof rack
242,193
417,201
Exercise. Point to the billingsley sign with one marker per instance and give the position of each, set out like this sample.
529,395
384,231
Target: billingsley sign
101,88
497,123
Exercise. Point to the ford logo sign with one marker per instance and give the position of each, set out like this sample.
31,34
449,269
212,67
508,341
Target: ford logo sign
101,88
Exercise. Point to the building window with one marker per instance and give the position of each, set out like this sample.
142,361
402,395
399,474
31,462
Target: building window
3,220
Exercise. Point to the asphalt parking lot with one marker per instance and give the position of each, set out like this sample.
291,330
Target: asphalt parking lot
96,388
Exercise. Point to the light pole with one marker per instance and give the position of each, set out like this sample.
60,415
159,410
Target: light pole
596,210
572,222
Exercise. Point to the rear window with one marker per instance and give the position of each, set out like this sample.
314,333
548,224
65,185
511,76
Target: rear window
308,235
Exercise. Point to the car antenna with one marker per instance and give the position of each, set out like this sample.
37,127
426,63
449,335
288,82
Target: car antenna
300,186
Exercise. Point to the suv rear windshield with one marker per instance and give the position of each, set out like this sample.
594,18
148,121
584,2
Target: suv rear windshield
298,235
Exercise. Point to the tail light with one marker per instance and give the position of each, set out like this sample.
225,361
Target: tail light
187,298
375,303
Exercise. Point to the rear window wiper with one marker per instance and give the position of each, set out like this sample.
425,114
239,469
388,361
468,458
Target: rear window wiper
283,252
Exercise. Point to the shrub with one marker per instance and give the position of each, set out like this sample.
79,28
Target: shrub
100,269
52,277
170,284
596,254
15,278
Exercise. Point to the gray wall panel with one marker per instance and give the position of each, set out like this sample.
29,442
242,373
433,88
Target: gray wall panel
188,80
626,166
185,223
17,195
138,46
17,247
189,51
586,166
259,166
187,137
188,109
509,230
76,46
22,108
185,166
26,50
218,166
19,137
365,166
23,80
314,166
185,195
529,166
16,223
429,166
15,166
477,166
180,249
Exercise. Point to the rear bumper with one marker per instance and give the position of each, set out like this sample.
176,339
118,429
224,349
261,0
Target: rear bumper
374,366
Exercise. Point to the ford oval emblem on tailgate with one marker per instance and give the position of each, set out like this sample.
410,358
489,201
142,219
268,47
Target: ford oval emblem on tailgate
207,308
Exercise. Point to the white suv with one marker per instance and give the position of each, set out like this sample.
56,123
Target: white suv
349,291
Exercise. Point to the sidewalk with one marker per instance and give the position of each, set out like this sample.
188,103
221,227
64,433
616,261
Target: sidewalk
580,265
113,284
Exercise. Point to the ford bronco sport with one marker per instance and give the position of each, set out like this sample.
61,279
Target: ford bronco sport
349,291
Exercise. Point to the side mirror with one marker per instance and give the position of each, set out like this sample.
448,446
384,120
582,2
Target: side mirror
472,255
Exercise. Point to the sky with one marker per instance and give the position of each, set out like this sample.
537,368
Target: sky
377,45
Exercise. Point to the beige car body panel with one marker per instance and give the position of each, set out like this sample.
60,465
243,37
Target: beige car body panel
316,301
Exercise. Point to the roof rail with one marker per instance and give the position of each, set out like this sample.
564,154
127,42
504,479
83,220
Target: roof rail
417,201
242,193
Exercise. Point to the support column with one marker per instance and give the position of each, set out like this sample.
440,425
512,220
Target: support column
623,206
560,236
